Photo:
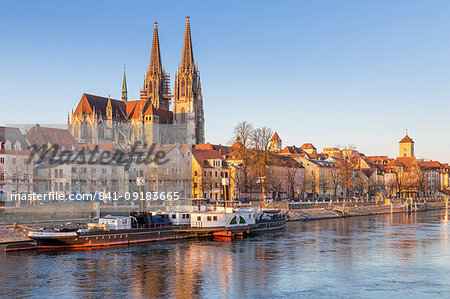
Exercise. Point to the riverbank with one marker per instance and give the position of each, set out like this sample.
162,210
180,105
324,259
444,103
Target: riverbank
360,209
308,212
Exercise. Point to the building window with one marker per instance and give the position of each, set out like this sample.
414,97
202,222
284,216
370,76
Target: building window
183,115
2,160
174,216
2,176
199,218
101,132
208,218
195,173
183,87
215,218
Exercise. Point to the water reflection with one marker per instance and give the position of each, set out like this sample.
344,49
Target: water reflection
377,256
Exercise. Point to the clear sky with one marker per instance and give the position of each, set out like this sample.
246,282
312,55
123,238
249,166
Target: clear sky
326,72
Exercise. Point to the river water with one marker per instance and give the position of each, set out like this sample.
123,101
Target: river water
381,256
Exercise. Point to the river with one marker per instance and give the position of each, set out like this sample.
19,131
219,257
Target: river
401,255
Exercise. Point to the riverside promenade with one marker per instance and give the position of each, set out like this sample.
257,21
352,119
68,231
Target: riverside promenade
306,211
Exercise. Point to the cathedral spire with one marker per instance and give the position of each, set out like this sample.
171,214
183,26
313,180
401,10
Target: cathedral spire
187,59
124,86
155,58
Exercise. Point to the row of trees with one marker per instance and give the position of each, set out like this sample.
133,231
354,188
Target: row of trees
260,169
343,179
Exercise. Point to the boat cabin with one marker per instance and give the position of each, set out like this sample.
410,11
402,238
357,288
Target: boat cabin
178,218
225,217
116,222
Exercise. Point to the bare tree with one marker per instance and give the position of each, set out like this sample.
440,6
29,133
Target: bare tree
276,180
292,182
243,135
420,180
324,183
402,181
309,183
335,181
346,165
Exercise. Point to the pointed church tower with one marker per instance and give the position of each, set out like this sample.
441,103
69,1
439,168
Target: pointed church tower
188,102
156,88
124,87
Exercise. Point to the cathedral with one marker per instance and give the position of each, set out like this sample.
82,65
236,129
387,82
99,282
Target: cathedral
149,119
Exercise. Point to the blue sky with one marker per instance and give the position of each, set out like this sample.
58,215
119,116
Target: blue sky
326,72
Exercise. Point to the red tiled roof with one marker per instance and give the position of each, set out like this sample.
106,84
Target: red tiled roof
129,110
151,110
42,135
406,139
407,161
202,155
206,146
307,146
90,103
223,149
292,150
429,164
133,108
275,137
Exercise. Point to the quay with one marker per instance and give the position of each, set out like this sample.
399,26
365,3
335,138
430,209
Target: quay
16,238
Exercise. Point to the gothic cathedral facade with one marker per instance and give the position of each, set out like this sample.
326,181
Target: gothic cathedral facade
149,119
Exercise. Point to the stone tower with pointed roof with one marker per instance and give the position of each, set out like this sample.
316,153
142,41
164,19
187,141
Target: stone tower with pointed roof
406,147
188,101
275,143
156,89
